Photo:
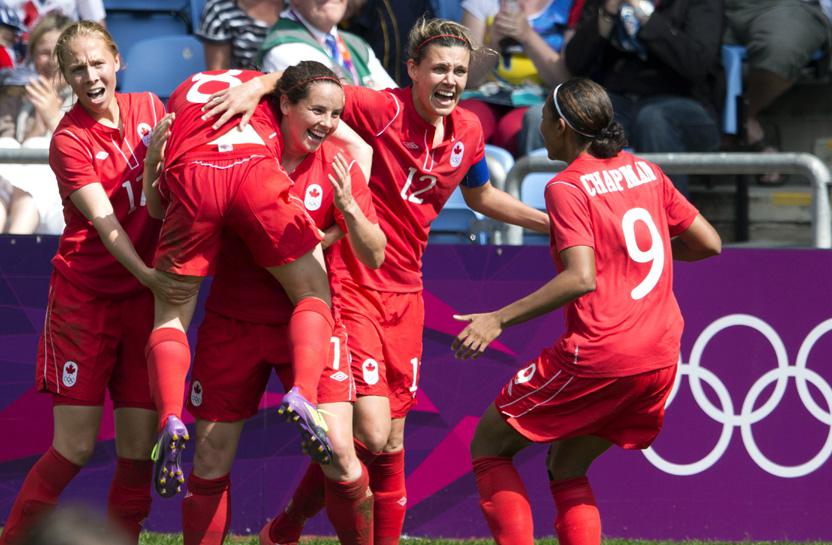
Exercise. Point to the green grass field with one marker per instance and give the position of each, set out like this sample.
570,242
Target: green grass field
174,539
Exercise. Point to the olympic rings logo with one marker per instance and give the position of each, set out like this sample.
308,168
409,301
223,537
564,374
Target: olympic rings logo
748,415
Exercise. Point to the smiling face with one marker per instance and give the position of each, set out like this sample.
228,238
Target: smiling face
90,69
308,122
439,80
41,54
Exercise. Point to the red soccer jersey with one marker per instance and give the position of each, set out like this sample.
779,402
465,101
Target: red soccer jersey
83,152
192,138
627,210
245,291
410,180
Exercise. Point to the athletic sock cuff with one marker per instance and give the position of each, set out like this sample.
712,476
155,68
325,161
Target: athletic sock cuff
208,487
313,304
165,334
133,473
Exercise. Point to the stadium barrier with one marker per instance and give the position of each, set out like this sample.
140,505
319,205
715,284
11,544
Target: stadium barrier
802,164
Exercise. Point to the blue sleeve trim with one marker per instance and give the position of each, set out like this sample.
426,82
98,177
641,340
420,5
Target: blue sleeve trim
478,175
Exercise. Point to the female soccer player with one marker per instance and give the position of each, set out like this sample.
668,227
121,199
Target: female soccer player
100,312
424,147
616,223
231,179
247,314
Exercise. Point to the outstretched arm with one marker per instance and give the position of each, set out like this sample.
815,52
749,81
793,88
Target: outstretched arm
501,206
577,279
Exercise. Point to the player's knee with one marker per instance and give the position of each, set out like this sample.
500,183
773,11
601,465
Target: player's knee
374,435
76,450
344,466
135,447
212,457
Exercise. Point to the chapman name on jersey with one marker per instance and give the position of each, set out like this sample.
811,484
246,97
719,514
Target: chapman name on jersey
609,181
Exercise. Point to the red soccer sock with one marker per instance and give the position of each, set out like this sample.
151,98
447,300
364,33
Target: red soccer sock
504,501
310,329
168,359
39,493
578,521
364,454
307,502
388,485
349,506
129,500
206,510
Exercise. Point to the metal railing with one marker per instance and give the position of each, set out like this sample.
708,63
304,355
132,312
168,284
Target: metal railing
802,164
39,156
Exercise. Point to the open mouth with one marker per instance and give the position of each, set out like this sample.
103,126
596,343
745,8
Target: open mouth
316,135
444,97
96,94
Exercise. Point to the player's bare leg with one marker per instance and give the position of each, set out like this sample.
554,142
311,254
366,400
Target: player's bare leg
372,422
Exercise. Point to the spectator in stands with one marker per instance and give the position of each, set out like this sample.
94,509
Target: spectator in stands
233,30
31,11
10,28
446,9
33,101
307,31
660,63
384,25
529,35
780,36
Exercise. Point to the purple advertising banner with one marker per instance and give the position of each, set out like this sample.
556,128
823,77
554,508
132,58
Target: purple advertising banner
745,453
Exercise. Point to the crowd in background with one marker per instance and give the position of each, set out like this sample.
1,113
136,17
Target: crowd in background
659,59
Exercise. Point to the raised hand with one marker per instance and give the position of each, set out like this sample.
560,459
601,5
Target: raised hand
477,335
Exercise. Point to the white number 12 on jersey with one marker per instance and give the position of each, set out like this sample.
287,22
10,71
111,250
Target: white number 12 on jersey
654,254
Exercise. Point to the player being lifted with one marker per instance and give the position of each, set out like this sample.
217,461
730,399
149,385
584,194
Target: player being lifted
244,334
617,222
225,178
424,147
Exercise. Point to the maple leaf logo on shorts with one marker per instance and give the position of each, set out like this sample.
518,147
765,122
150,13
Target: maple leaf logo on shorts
70,374
370,371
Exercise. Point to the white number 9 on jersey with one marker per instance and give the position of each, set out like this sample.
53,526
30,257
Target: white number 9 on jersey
653,255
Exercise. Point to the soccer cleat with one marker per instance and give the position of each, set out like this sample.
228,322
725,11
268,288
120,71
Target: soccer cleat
296,409
167,458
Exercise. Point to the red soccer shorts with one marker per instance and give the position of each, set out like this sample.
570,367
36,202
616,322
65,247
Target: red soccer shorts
234,360
249,195
544,403
385,331
90,343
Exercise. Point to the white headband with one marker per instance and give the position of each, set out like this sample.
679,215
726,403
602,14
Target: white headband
565,119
